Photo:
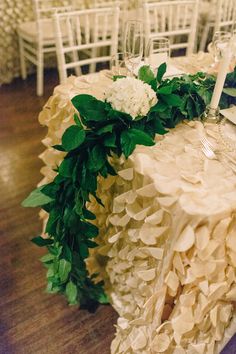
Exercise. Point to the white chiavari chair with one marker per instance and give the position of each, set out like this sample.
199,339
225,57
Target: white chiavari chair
88,30
36,38
175,19
122,4
221,16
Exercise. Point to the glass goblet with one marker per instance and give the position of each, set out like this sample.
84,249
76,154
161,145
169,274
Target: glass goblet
133,45
157,51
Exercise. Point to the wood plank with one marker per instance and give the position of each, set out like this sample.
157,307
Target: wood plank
32,321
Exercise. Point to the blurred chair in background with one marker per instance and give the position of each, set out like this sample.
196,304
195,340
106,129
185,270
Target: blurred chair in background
88,30
124,6
36,38
176,20
221,16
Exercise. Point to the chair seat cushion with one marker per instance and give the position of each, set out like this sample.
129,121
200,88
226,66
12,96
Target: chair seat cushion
30,30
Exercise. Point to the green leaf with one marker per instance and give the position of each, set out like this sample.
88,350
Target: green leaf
106,129
131,137
166,115
41,242
158,127
68,217
52,289
230,91
71,292
91,244
55,249
90,108
127,143
103,299
83,249
58,147
140,137
67,166
159,107
59,179
64,269
50,189
120,116
88,214
97,158
165,90
52,221
88,180
161,72
172,100
110,140
103,171
50,272
205,95
47,258
145,74
36,198
88,230
67,253
73,138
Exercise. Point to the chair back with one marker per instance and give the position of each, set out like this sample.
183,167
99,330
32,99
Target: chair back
88,30
225,14
43,12
44,9
175,19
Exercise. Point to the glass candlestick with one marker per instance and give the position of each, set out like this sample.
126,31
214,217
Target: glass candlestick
211,115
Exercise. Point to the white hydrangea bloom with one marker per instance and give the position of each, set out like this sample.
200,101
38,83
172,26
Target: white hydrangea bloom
132,96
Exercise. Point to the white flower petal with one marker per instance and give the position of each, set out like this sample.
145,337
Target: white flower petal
161,342
185,240
127,174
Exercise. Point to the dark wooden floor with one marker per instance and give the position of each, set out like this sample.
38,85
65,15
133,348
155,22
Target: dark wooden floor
31,321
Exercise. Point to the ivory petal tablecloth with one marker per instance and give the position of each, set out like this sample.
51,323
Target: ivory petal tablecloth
167,248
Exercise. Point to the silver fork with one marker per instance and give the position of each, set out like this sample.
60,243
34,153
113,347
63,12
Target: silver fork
209,151
207,148
214,149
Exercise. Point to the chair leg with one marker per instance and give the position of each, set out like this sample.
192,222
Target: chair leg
203,42
40,67
22,59
75,59
92,67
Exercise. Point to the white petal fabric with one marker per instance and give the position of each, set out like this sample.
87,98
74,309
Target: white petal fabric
166,246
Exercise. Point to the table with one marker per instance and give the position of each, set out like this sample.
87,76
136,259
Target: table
167,234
